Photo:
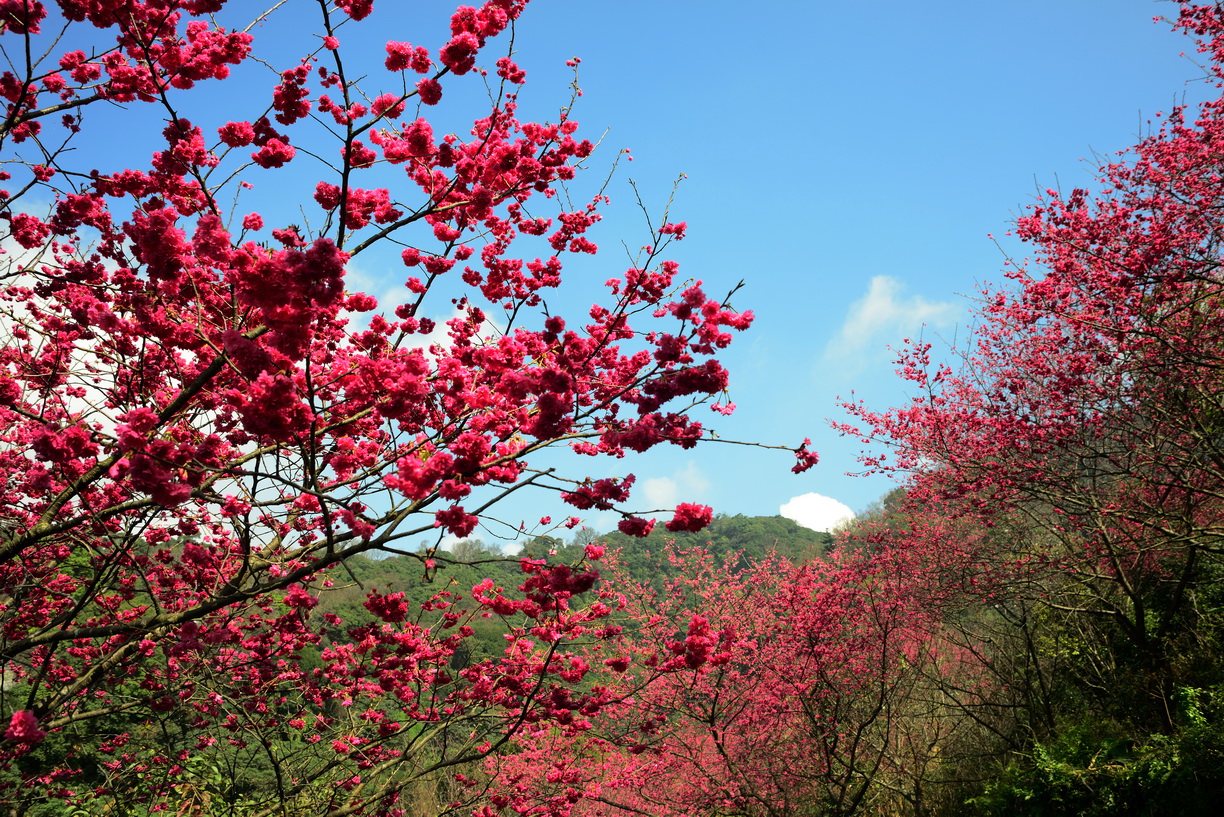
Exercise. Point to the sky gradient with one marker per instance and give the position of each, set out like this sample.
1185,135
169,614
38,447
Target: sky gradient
850,168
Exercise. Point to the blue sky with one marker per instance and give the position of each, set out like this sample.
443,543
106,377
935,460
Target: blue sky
846,161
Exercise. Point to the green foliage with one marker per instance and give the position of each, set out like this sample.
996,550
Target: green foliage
456,571
1096,770
469,562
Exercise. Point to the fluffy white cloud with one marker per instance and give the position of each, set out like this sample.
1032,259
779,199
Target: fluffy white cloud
816,511
687,485
883,317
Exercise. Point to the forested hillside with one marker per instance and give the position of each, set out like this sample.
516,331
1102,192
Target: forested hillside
744,540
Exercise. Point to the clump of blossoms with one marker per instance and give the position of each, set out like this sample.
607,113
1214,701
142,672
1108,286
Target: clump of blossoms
200,416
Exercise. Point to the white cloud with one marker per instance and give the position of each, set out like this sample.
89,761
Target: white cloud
686,485
883,317
386,287
816,511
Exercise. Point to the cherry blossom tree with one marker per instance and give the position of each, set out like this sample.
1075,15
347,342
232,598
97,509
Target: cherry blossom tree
810,697
1077,444
200,420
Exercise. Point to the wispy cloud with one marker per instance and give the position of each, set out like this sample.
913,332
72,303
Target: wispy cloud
388,288
882,317
686,485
